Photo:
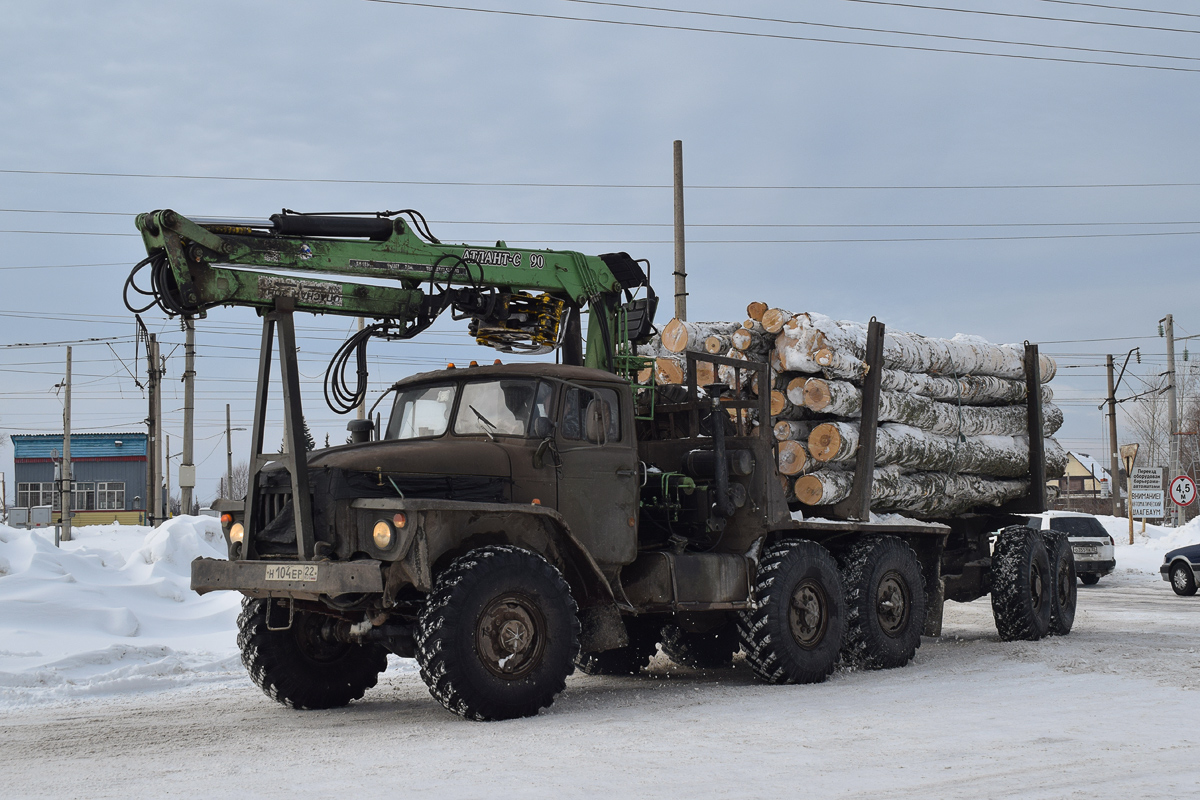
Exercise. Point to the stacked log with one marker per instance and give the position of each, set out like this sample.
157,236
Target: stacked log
953,429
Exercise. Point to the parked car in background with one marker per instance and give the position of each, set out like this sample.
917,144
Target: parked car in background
1179,568
1092,546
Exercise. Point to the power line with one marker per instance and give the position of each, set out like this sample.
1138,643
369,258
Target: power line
1025,16
1120,8
530,185
778,36
862,29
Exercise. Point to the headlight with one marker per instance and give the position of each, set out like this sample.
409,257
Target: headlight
399,519
236,532
382,534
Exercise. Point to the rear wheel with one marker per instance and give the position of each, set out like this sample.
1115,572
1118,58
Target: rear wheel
1021,584
885,603
498,635
793,632
1182,580
1089,578
711,649
303,666
1065,590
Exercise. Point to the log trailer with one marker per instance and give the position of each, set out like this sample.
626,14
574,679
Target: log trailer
513,521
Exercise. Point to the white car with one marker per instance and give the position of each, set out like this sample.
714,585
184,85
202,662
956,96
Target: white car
1091,544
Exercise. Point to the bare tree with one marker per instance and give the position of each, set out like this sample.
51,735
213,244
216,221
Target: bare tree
241,482
1147,423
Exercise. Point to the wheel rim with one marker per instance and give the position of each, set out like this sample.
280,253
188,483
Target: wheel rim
1178,578
1064,584
808,614
314,641
510,636
892,604
1036,585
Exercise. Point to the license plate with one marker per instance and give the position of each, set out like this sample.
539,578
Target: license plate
291,572
1086,550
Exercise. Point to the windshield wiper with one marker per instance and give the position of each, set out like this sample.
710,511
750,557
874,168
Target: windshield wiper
485,421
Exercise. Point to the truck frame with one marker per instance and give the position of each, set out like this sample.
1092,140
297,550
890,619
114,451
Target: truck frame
514,521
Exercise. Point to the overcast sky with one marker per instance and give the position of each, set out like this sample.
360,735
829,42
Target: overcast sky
344,96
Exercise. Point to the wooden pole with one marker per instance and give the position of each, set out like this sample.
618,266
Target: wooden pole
1172,415
680,265
228,493
187,467
1114,481
65,474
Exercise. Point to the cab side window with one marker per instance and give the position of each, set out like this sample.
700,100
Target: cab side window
575,404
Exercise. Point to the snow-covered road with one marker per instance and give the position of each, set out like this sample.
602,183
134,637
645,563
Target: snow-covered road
1109,711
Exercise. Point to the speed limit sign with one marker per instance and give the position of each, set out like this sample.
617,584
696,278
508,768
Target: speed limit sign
1183,491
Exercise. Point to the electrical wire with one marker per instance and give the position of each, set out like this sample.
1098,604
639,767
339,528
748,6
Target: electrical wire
1013,15
1120,8
779,36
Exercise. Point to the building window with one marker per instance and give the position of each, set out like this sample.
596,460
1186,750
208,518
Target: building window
110,496
30,495
83,496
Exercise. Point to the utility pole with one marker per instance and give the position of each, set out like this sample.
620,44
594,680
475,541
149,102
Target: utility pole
680,265
65,473
228,493
1114,481
167,465
187,468
154,431
1172,412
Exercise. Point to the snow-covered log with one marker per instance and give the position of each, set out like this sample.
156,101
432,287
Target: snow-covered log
809,339
843,399
786,429
773,319
755,311
793,458
970,390
679,336
905,446
745,339
924,494
717,343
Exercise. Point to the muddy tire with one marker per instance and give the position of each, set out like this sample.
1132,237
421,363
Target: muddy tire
793,632
1089,578
498,635
299,667
885,603
712,649
1021,584
1183,582
1065,589
630,660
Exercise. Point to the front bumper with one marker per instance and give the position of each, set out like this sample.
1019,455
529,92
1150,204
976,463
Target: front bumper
299,579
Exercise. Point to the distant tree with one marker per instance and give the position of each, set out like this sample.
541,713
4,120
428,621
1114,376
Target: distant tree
327,440
310,443
241,482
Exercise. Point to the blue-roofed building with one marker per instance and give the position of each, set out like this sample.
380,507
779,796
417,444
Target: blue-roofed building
109,471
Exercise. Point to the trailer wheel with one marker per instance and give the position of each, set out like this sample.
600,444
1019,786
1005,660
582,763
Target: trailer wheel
498,635
1021,584
885,603
629,660
302,667
793,632
1065,589
712,649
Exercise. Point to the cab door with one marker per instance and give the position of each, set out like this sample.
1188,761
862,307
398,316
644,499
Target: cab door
598,480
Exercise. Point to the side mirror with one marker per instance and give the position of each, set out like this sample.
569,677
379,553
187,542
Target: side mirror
542,428
598,418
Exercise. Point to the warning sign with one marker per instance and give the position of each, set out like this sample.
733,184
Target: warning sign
1183,491
1147,497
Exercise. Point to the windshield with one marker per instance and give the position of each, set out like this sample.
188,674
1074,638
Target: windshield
505,407
421,412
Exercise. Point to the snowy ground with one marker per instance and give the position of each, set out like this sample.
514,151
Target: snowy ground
135,690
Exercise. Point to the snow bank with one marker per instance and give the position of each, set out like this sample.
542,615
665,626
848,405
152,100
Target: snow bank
1146,553
111,612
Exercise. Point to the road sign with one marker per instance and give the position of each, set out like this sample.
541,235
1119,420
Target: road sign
1183,491
1147,497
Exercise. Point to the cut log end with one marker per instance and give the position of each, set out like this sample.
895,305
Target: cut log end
773,319
792,458
706,373
668,370
779,402
795,390
716,345
809,490
816,394
755,311
824,442
675,336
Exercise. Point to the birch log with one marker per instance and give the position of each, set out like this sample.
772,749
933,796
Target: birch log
843,399
773,319
755,311
925,494
717,343
809,338
793,458
679,336
905,446
968,390
790,429
745,339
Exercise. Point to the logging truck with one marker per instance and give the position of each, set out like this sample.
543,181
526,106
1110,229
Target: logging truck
508,523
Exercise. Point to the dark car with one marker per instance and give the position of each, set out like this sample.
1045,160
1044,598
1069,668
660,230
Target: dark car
1179,567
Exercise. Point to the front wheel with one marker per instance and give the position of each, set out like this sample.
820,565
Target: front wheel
303,666
1183,581
885,601
793,632
498,635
